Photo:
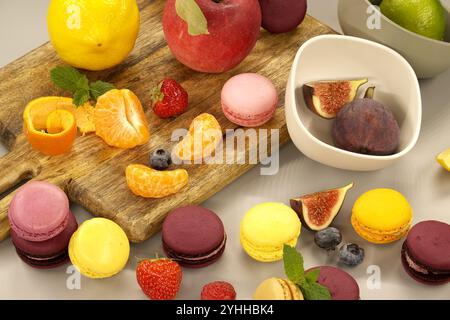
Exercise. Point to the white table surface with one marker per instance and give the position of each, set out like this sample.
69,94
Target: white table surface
417,176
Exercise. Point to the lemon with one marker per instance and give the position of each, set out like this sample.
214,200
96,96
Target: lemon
444,159
424,17
93,34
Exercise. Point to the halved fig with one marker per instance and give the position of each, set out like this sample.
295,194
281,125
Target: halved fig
326,98
318,210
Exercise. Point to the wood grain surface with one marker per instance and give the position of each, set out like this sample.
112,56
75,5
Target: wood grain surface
93,174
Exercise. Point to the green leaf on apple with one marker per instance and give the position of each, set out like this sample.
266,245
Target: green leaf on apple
189,11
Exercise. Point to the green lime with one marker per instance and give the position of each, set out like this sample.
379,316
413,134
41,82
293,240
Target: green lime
424,17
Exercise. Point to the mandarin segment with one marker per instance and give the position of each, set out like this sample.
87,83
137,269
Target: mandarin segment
85,118
150,183
120,119
202,139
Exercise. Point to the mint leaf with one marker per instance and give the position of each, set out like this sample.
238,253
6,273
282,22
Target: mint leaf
293,264
312,275
190,12
80,97
315,291
67,78
70,79
99,88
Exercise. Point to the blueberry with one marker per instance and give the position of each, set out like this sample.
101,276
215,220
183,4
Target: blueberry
351,254
328,238
160,159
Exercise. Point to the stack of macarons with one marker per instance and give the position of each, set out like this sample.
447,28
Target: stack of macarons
41,224
194,236
249,99
381,216
265,229
277,289
99,248
342,285
426,252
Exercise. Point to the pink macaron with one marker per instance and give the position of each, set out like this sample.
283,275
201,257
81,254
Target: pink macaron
39,211
249,99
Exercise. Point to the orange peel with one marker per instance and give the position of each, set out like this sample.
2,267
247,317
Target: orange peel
48,127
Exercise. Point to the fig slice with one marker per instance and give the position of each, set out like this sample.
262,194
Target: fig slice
326,98
318,210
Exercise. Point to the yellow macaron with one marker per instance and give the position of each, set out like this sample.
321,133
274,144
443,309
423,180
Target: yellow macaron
381,216
99,248
266,227
277,289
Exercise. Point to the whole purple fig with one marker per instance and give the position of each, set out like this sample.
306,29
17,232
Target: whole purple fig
366,126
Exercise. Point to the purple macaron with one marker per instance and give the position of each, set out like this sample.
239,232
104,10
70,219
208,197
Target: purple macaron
426,252
342,286
49,253
38,211
194,236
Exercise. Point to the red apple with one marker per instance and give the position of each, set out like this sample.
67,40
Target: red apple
233,26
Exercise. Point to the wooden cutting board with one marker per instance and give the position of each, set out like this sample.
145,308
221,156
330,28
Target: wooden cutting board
93,174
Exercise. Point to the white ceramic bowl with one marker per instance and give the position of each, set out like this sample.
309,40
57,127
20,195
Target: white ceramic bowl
331,57
428,57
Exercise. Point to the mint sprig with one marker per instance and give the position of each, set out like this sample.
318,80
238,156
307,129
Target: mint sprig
99,88
70,79
294,270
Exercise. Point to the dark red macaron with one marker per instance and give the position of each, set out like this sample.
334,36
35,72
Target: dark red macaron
426,252
342,286
194,236
46,254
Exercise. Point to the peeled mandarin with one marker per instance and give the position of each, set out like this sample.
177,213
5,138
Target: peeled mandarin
120,120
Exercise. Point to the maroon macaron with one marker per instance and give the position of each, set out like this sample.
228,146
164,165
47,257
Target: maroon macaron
342,286
194,236
426,252
46,254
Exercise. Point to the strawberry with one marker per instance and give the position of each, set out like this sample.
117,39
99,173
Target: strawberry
169,99
218,290
159,279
